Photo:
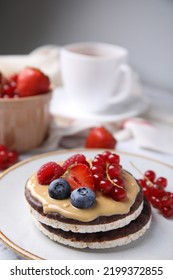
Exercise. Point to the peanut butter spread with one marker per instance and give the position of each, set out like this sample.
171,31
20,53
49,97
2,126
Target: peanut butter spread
103,206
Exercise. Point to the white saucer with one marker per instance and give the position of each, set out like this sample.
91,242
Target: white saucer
132,106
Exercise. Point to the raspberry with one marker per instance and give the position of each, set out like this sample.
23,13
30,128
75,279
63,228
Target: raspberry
49,172
78,158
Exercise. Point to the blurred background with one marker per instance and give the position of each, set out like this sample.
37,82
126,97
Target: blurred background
144,27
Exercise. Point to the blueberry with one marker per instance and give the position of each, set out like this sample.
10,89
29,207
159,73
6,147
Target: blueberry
82,197
59,189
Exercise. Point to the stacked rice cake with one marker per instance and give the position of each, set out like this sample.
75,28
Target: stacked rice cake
108,223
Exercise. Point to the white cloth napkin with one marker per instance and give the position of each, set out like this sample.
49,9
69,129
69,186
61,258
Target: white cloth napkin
149,135
153,130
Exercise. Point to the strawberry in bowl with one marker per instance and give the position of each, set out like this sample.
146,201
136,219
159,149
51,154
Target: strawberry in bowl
24,106
32,81
28,82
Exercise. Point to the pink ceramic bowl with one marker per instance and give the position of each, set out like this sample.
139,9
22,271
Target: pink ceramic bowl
24,122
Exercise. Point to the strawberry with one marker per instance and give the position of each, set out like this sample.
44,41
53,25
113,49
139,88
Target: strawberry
77,158
32,81
100,137
79,175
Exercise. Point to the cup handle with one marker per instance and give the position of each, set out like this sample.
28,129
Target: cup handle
125,90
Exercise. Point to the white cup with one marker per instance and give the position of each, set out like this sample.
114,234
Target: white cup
95,75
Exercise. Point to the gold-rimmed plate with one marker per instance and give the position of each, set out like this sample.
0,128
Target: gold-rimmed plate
19,233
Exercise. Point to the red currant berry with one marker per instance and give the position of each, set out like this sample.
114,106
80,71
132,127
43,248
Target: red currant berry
114,170
99,156
171,195
97,169
16,95
113,158
161,182
119,182
142,183
3,166
105,155
7,158
166,201
3,156
13,84
97,178
13,78
156,191
146,191
167,212
156,203
98,161
8,90
13,157
150,174
105,186
3,159
3,148
118,194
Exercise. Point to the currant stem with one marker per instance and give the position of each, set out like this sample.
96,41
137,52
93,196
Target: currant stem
110,178
145,177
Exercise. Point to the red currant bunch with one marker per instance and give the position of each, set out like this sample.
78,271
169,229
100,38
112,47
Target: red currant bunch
7,158
106,171
154,190
8,86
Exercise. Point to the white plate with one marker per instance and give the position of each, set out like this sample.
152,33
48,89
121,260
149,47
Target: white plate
132,106
19,232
